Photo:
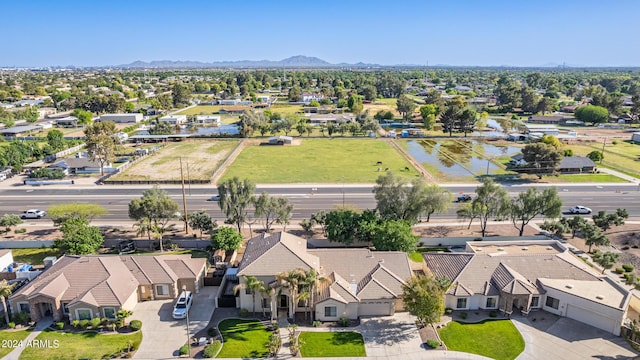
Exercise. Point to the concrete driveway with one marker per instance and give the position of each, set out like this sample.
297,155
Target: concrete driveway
569,340
162,335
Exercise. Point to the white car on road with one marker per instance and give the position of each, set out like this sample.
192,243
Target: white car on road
33,214
580,210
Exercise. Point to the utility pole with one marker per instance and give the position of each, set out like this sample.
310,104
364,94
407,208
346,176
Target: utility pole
184,201
604,142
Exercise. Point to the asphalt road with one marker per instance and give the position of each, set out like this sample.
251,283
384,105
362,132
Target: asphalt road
306,199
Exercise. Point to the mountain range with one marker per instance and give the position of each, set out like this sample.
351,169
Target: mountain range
298,61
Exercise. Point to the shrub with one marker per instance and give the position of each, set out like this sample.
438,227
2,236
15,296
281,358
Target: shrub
210,351
615,142
20,231
619,270
75,323
316,323
95,323
184,349
448,311
433,343
244,312
84,323
135,325
463,315
104,321
211,331
627,267
493,313
626,247
22,318
12,325
344,321
60,325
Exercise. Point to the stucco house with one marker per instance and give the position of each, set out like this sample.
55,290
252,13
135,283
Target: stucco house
358,282
85,287
526,276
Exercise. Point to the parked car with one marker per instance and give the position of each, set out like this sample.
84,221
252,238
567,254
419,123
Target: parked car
463,198
33,214
214,198
182,306
580,210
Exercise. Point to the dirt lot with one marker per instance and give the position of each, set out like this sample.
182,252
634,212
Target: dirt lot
462,230
625,238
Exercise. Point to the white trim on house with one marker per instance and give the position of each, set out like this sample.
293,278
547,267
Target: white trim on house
84,309
466,303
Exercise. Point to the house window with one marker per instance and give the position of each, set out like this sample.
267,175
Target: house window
83,314
162,290
330,311
535,301
65,308
552,302
266,304
109,312
24,307
461,303
491,302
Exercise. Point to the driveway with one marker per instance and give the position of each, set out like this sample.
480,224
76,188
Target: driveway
162,335
568,340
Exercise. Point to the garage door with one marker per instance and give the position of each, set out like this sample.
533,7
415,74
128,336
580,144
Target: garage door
373,308
591,318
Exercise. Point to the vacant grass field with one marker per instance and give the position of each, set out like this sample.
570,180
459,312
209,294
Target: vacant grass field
285,109
622,156
332,344
496,339
87,345
201,110
33,256
201,157
243,339
11,335
319,161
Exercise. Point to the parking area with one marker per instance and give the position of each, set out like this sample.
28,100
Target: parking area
162,335
570,340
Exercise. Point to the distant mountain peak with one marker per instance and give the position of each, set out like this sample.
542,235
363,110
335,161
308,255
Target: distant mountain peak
299,61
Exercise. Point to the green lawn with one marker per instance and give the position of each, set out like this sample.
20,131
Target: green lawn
10,336
285,109
243,339
622,156
319,161
33,256
87,345
585,178
332,344
497,339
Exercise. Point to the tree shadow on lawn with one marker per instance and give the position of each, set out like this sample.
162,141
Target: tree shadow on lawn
237,328
387,331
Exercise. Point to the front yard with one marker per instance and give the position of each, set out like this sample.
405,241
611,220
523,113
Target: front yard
497,339
243,339
332,344
88,345
10,340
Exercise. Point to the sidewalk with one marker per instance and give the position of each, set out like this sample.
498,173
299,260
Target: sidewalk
43,324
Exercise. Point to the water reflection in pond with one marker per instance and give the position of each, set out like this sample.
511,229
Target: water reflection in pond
459,158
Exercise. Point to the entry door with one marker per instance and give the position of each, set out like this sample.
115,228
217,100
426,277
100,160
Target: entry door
283,301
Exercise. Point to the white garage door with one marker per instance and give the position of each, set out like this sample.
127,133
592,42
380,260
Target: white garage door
591,318
375,308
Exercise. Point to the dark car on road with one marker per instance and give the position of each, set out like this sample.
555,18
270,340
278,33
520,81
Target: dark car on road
463,198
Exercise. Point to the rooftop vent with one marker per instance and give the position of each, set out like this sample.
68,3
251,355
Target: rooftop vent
525,248
500,249
569,286
549,248
479,249
599,297
381,261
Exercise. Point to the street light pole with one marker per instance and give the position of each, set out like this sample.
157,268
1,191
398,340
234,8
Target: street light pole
604,142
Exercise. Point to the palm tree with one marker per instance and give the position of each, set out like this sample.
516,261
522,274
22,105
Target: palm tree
312,281
291,280
252,284
122,316
270,292
5,292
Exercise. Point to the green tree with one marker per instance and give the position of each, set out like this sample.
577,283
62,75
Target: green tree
341,225
84,117
55,139
604,221
226,238
531,203
394,235
575,224
551,140
200,220
236,197
595,156
252,285
428,113
272,209
492,202
156,208
122,316
395,200
592,114
435,200
423,297
6,290
79,238
558,228
100,143
10,220
181,95
291,281
295,93
355,104
405,106
605,259
59,213
542,158
593,236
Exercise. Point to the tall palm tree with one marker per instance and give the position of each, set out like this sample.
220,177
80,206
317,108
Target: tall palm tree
270,292
5,292
291,280
252,284
312,281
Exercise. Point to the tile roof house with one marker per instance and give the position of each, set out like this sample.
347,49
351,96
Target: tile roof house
528,276
357,282
576,164
84,287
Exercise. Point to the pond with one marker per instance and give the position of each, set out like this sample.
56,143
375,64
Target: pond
228,129
459,157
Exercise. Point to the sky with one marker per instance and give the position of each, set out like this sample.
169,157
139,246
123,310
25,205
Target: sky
420,32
